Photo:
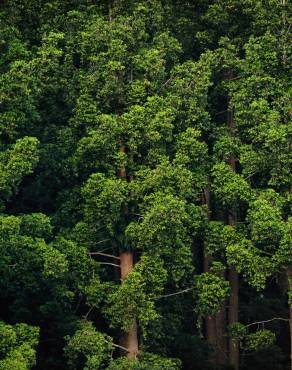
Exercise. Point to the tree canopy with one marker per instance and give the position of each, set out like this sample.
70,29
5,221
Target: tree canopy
145,185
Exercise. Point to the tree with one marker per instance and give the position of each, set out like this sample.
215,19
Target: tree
145,182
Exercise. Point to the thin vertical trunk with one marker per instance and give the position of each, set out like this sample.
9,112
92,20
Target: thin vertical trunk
221,336
232,274
211,334
233,317
210,322
289,287
215,324
130,339
290,316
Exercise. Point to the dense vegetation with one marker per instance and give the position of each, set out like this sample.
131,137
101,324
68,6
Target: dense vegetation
145,183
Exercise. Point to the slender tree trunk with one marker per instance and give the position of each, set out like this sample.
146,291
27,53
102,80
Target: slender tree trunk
221,336
215,324
130,339
289,287
233,317
232,274
210,321
290,316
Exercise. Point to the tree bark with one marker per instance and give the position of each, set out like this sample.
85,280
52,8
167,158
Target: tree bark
222,347
290,317
233,317
210,321
129,339
289,288
232,274
215,325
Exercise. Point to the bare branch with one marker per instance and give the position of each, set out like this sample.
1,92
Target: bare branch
176,293
120,347
266,321
251,175
106,249
266,253
221,112
91,308
117,346
110,264
102,241
165,83
234,78
104,254
123,348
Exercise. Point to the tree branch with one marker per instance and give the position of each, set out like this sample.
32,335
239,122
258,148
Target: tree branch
108,263
221,112
102,241
104,254
266,321
251,175
120,347
91,308
176,293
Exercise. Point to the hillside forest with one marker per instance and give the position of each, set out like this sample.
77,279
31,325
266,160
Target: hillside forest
145,185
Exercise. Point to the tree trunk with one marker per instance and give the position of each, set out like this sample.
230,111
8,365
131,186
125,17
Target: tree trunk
221,336
290,316
215,325
233,317
232,274
289,288
130,339
210,322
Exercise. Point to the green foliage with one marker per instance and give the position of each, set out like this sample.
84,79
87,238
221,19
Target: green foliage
260,339
247,260
266,220
220,236
256,341
89,344
290,291
134,298
15,163
212,290
18,108
237,331
165,230
37,225
148,361
229,187
115,136
17,346
104,199
226,146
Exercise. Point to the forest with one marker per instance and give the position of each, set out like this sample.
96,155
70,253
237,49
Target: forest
145,185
